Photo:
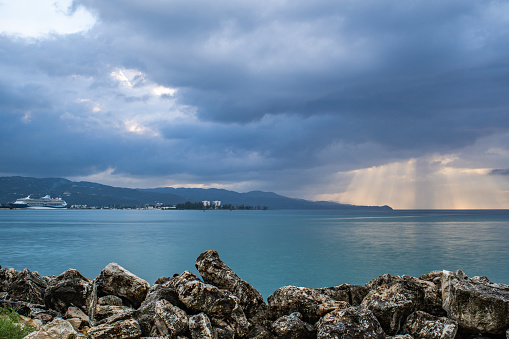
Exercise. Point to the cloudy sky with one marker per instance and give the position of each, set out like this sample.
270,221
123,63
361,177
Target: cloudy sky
371,102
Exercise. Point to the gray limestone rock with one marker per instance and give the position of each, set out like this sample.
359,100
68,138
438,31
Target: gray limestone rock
170,320
477,305
426,326
58,328
392,299
68,289
216,303
111,300
311,303
200,327
75,312
352,323
110,314
118,281
125,329
292,327
23,286
215,272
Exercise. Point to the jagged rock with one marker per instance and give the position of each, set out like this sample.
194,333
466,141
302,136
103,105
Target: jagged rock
23,286
353,322
75,322
118,281
259,331
217,273
125,329
311,303
435,277
200,327
146,312
110,314
476,305
392,299
69,288
400,336
426,326
170,320
217,303
111,300
75,312
34,323
57,329
352,294
292,327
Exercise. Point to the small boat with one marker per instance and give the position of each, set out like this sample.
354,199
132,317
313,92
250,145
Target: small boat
45,202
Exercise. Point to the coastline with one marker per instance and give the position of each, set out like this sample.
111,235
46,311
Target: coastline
117,303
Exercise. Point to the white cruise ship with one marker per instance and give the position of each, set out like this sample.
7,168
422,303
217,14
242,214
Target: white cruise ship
40,203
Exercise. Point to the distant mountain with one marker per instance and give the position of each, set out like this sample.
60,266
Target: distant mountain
93,194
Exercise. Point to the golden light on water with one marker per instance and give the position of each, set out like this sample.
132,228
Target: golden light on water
424,184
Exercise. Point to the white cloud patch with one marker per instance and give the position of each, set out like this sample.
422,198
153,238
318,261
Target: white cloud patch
40,18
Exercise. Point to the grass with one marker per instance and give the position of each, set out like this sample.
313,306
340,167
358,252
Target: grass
10,327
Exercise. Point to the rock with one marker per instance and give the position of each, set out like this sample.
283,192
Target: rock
23,286
170,320
476,305
146,312
75,312
110,314
200,327
435,277
393,299
57,329
125,329
352,294
292,327
118,281
34,323
215,272
426,326
259,331
111,300
311,303
69,288
75,322
352,322
216,303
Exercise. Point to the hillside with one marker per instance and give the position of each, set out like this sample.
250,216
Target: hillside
93,194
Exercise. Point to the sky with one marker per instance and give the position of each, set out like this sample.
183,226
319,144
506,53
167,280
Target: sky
367,102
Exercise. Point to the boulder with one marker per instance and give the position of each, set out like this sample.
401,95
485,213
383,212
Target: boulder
146,312
111,300
57,329
353,322
392,299
311,303
170,320
118,281
200,327
125,329
216,303
476,304
292,327
110,314
75,312
260,331
69,288
426,326
352,294
23,286
215,272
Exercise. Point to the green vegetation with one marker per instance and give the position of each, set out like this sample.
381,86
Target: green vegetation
10,326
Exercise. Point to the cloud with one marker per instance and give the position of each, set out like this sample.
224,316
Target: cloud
499,171
281,96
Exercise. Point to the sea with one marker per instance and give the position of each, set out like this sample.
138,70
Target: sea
269,249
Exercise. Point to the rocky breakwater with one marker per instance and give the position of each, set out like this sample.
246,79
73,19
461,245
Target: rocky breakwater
117,304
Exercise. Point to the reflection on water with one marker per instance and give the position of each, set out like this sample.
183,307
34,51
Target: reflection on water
269,249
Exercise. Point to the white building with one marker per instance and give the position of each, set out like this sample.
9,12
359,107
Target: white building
216,204
206,203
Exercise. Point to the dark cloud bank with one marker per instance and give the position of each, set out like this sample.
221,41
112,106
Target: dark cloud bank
280,94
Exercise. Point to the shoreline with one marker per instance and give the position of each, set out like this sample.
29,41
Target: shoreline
440,304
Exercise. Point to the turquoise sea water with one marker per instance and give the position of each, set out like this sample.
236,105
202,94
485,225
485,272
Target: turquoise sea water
269,249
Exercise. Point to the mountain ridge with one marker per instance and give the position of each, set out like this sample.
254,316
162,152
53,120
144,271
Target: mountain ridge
95,194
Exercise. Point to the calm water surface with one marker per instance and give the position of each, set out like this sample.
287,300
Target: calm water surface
269,249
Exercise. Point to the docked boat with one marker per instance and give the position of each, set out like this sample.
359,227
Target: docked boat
39,203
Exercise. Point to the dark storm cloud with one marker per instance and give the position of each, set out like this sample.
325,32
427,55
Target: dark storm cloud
271,86
499,171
